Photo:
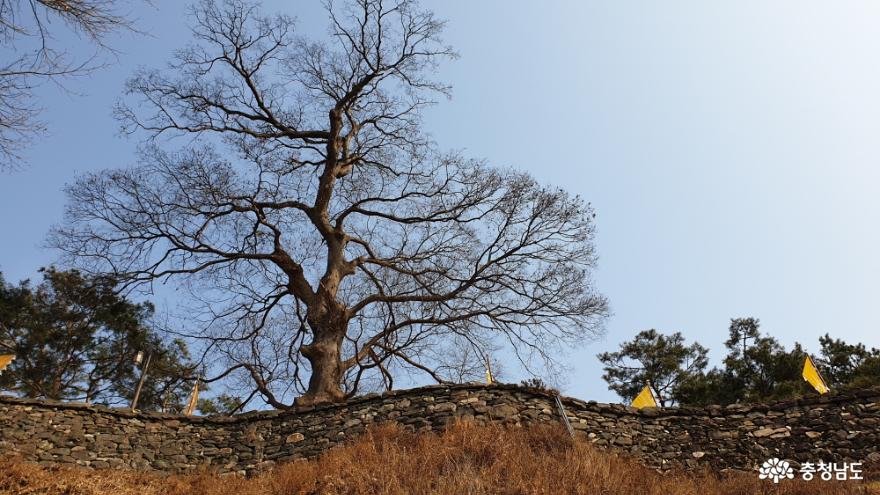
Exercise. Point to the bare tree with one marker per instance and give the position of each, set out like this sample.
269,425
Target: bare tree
32,58
333,243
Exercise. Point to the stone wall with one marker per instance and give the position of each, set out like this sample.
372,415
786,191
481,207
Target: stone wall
843,427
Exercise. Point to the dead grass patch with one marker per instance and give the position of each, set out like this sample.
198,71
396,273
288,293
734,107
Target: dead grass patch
466,459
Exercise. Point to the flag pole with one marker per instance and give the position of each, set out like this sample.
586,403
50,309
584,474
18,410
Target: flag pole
564,416
140,385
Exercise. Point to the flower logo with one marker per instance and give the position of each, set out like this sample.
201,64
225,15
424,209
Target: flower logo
776,470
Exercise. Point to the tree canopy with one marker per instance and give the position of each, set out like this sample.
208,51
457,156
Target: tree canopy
757,368
651,358
75,339
330,243
848,365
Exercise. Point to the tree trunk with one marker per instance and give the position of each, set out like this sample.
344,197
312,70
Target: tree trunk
325,356
326,374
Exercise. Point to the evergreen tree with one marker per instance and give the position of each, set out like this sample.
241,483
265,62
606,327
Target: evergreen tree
848,366
757,368
75,338
663,361
223,404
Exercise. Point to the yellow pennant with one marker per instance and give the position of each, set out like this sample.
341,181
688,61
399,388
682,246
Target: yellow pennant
488,376
5,359
812,376
644,399
193,401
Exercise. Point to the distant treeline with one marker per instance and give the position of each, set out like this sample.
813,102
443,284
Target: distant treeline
757,367
75,338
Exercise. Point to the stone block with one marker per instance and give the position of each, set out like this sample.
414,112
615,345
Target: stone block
294,438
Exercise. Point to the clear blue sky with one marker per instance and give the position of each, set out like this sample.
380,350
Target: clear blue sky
730,150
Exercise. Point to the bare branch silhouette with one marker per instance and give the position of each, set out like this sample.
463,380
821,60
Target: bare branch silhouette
331,244
35,59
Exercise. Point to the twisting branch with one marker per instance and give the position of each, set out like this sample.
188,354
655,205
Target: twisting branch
333,246
35,60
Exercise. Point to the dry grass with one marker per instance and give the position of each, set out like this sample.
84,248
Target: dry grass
465,460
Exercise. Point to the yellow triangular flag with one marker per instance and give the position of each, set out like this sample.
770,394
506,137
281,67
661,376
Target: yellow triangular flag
811,375
644,399
5,360
193,401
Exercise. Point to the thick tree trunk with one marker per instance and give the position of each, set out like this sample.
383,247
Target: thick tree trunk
324,384
325,356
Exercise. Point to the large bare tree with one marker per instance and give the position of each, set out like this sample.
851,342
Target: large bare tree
31,56
331,240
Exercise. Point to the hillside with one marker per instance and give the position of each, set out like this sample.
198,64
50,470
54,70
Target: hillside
465,459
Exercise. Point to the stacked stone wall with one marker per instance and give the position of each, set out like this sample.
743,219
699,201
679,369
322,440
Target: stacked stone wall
843,427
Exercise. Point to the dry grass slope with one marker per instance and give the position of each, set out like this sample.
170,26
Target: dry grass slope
464,460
